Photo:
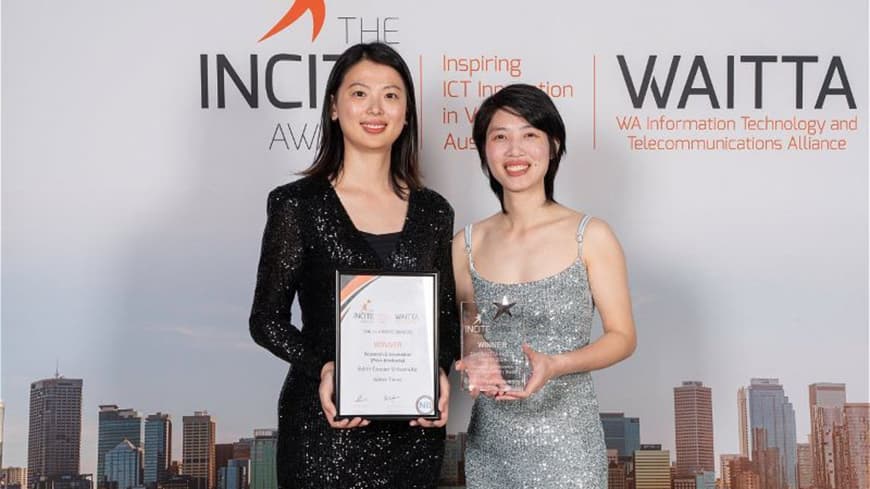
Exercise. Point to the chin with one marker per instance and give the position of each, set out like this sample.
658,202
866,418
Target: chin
523,187
371,144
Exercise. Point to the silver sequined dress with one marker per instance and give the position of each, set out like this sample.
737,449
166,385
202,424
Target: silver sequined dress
553,439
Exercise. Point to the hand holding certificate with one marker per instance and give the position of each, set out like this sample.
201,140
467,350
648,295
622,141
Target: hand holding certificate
386,345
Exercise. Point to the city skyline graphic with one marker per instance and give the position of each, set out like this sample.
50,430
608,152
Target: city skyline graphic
763,407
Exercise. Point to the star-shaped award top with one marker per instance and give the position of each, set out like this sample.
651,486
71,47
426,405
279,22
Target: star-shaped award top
504,307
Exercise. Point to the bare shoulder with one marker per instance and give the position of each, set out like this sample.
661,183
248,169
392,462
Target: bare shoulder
598,229
459,242
479,229
599,238
564,217
485,224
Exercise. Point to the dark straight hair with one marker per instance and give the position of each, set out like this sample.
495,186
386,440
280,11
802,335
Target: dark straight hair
404,156
533,105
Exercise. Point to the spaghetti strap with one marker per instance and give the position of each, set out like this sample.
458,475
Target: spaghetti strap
581,228
468,245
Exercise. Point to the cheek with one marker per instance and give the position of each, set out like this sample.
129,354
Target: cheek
344,108
491,151
540,152
398,112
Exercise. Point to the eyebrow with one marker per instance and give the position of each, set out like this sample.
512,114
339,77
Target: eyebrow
396,87
502,128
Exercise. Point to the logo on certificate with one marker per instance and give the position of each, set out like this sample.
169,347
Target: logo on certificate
425,405
366,312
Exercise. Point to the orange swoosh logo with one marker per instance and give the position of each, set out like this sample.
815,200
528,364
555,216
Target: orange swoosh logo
299,7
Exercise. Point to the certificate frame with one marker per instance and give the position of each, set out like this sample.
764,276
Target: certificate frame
394,324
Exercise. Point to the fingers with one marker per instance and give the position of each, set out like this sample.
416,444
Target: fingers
535,383
443,405
326,391
431,423
541,370
530,353
348,423
512,396
356,422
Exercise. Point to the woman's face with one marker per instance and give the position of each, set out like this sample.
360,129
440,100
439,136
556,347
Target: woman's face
517,153
370,105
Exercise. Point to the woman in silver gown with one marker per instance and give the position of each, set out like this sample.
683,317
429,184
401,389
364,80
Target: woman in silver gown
547,267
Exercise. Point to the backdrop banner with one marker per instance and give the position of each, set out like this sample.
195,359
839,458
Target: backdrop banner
726,145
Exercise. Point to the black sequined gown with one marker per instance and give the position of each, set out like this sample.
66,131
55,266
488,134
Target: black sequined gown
308,235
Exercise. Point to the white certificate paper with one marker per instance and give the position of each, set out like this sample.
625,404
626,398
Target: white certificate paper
386,345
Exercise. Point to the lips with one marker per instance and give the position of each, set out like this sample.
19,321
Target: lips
374,127
516,168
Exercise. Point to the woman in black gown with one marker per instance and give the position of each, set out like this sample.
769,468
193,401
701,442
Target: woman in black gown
360,205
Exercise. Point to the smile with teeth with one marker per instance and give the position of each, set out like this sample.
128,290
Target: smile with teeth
516,168
374,126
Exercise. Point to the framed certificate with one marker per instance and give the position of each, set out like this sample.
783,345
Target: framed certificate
386,345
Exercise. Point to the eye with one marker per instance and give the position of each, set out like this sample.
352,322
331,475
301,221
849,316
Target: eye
498,137
357,93
532,135
392,95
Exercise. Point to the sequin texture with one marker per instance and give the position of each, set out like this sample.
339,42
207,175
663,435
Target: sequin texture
553,439
308,235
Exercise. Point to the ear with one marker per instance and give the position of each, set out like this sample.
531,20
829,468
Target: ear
333,112
557,144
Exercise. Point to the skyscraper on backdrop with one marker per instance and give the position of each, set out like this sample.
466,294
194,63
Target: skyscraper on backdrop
805,466
856,424
197,449
652,468
54,428
772,424
743,422
693,423
122,466
621,433
115,426
826,411
158,448
264,474
2,417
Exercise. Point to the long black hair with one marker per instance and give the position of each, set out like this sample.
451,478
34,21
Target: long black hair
533,105
404,160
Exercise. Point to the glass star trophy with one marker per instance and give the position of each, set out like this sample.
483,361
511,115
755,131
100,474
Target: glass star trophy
492,338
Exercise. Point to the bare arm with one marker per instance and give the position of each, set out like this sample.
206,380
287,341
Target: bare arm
608,280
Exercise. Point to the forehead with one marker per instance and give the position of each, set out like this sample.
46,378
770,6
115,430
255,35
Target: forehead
372,75
503,119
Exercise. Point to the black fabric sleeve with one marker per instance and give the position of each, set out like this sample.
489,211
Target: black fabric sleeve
448,334
278,275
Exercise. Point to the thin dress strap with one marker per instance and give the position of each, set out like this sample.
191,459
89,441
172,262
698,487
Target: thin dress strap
468,245
581,228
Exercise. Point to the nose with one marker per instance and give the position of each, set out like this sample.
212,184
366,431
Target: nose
374,107
514,146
